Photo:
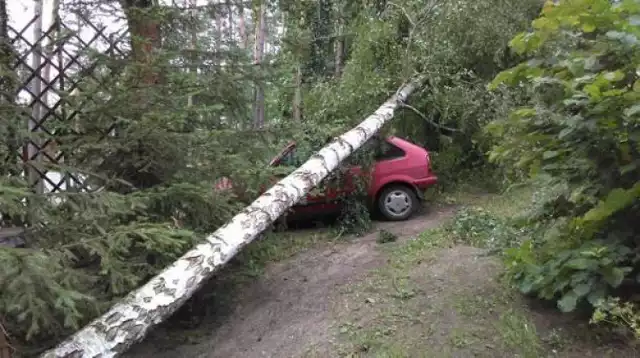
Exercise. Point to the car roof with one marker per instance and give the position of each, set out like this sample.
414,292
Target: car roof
400,142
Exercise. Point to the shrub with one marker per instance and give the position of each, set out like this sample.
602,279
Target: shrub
578,129
478,227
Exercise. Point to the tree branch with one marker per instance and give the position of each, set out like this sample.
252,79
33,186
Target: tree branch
427,119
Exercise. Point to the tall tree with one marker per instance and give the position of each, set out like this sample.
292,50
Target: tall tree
35,88
144,30
242,26
258,57
339,40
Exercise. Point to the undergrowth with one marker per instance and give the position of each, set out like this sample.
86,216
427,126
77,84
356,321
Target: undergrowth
503,226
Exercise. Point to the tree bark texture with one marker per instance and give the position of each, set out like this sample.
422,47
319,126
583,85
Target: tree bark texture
144,29
243,27
128,321
258,56
33,151
297,95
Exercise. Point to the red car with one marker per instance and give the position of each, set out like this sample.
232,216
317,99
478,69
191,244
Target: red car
401,173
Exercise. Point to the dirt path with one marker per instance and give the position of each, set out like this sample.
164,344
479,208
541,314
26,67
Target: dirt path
289,308
423,296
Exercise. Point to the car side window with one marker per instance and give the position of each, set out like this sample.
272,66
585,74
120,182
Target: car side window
388,151
360,156
379,149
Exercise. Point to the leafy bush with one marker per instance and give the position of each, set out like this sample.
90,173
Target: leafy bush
355,218
385,236
578,128
478,227
625,315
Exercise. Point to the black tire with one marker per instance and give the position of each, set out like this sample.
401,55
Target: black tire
397,202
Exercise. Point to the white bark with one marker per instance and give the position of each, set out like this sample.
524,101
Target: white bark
258,57
36,91
128,321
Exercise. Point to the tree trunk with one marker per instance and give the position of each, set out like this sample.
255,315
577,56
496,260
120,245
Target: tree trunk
230,36
193,67
297,95
33,150
128,321
219,28
339,47
258,55
243,27
144,30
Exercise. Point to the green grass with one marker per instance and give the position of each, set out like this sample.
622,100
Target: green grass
400,316
519,334
508,204
278,246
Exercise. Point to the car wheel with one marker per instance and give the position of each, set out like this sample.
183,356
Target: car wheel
397,202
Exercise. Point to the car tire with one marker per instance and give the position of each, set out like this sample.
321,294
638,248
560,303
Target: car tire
397,202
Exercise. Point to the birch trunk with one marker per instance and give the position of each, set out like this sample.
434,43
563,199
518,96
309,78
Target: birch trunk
258,55
219,29
243,27
230,36
33,151
128,321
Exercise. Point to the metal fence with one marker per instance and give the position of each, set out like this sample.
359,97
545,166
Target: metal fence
50,67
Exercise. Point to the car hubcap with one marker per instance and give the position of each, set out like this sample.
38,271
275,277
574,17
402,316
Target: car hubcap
397,203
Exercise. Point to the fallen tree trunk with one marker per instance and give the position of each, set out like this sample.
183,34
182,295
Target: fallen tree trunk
128,321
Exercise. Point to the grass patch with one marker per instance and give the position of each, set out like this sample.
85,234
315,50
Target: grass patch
423,304
278,246
519,334
385,236
508,204
491,222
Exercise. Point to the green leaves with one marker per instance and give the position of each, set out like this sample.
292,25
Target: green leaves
616,200
583,274
632,111
614,275
568,302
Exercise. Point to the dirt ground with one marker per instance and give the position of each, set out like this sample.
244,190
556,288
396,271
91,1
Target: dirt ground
417,297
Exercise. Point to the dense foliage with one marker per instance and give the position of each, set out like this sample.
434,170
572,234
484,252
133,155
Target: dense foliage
577,130
186,115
